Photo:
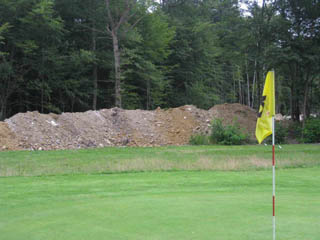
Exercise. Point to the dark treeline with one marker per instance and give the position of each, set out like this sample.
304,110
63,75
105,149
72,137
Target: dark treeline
75,55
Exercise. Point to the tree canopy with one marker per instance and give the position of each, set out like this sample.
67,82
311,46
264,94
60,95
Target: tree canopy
76,55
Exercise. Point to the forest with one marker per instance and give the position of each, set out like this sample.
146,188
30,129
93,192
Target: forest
78,55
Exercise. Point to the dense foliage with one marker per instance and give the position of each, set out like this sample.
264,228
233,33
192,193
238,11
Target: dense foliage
227,134
199,140
76,55
311,131
281,133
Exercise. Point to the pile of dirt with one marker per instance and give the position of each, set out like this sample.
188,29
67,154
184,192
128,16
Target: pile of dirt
245,116
176,125
117,127
8,140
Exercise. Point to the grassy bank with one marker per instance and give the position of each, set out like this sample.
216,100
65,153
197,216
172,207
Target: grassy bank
113,160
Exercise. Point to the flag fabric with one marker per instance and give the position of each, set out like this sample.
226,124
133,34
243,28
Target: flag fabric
267,109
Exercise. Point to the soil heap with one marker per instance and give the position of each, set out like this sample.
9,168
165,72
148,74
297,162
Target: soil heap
117,127
8,140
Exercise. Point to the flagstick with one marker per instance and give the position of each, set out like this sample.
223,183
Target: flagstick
273,180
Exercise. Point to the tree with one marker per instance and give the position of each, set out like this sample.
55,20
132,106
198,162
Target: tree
76,55
258,39
85,23
7,86
145,52
44,29
204,51
119,13
299,54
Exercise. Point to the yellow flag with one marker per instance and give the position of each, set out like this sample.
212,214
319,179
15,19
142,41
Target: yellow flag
267,109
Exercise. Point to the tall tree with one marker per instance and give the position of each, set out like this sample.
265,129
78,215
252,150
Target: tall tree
145,52
299,54
85,22
258,38
120,12
7,85
44,31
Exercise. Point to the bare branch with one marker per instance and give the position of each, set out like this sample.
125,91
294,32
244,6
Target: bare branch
133,25
109,29
92,29
109,13
124,16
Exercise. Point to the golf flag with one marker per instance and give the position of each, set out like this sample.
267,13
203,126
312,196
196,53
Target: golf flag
267,109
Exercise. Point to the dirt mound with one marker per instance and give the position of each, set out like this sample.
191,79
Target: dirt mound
8,140
118,127
245,116
176,125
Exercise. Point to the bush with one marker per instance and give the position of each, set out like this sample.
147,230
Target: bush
281,133
199,140
227,135
295,130
311,131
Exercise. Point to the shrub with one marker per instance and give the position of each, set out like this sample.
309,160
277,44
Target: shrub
199,140
227,135
311,131
281,133
294,130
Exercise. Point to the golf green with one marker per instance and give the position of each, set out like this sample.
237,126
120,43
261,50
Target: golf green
220,205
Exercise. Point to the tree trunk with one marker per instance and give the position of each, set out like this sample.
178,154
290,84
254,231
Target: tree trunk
248,84
240,93
3,110
115,21
234,90
295,114
295,108
95,86
254,82
291,99
94,72
305,101
117,69
42,95
309,106
291,91
259,92
148,94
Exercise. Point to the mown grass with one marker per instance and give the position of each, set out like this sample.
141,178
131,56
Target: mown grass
73,195
113,160
222,205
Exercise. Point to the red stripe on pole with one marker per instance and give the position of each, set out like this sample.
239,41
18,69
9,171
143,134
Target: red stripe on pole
273,205
273,158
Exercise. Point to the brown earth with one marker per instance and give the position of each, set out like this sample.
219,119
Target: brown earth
8,140
245,116
117,127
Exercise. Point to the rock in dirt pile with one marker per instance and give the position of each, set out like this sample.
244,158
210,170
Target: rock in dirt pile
117,127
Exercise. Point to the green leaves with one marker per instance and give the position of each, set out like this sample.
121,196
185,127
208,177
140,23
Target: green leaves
3,29
311,132
145,81
172,53
227,134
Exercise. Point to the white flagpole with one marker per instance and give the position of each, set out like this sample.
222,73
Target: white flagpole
273,170
273,180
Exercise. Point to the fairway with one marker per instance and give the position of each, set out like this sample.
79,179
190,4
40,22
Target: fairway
222,205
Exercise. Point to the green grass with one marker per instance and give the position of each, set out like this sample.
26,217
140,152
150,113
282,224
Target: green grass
81,194
161,205
113,160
